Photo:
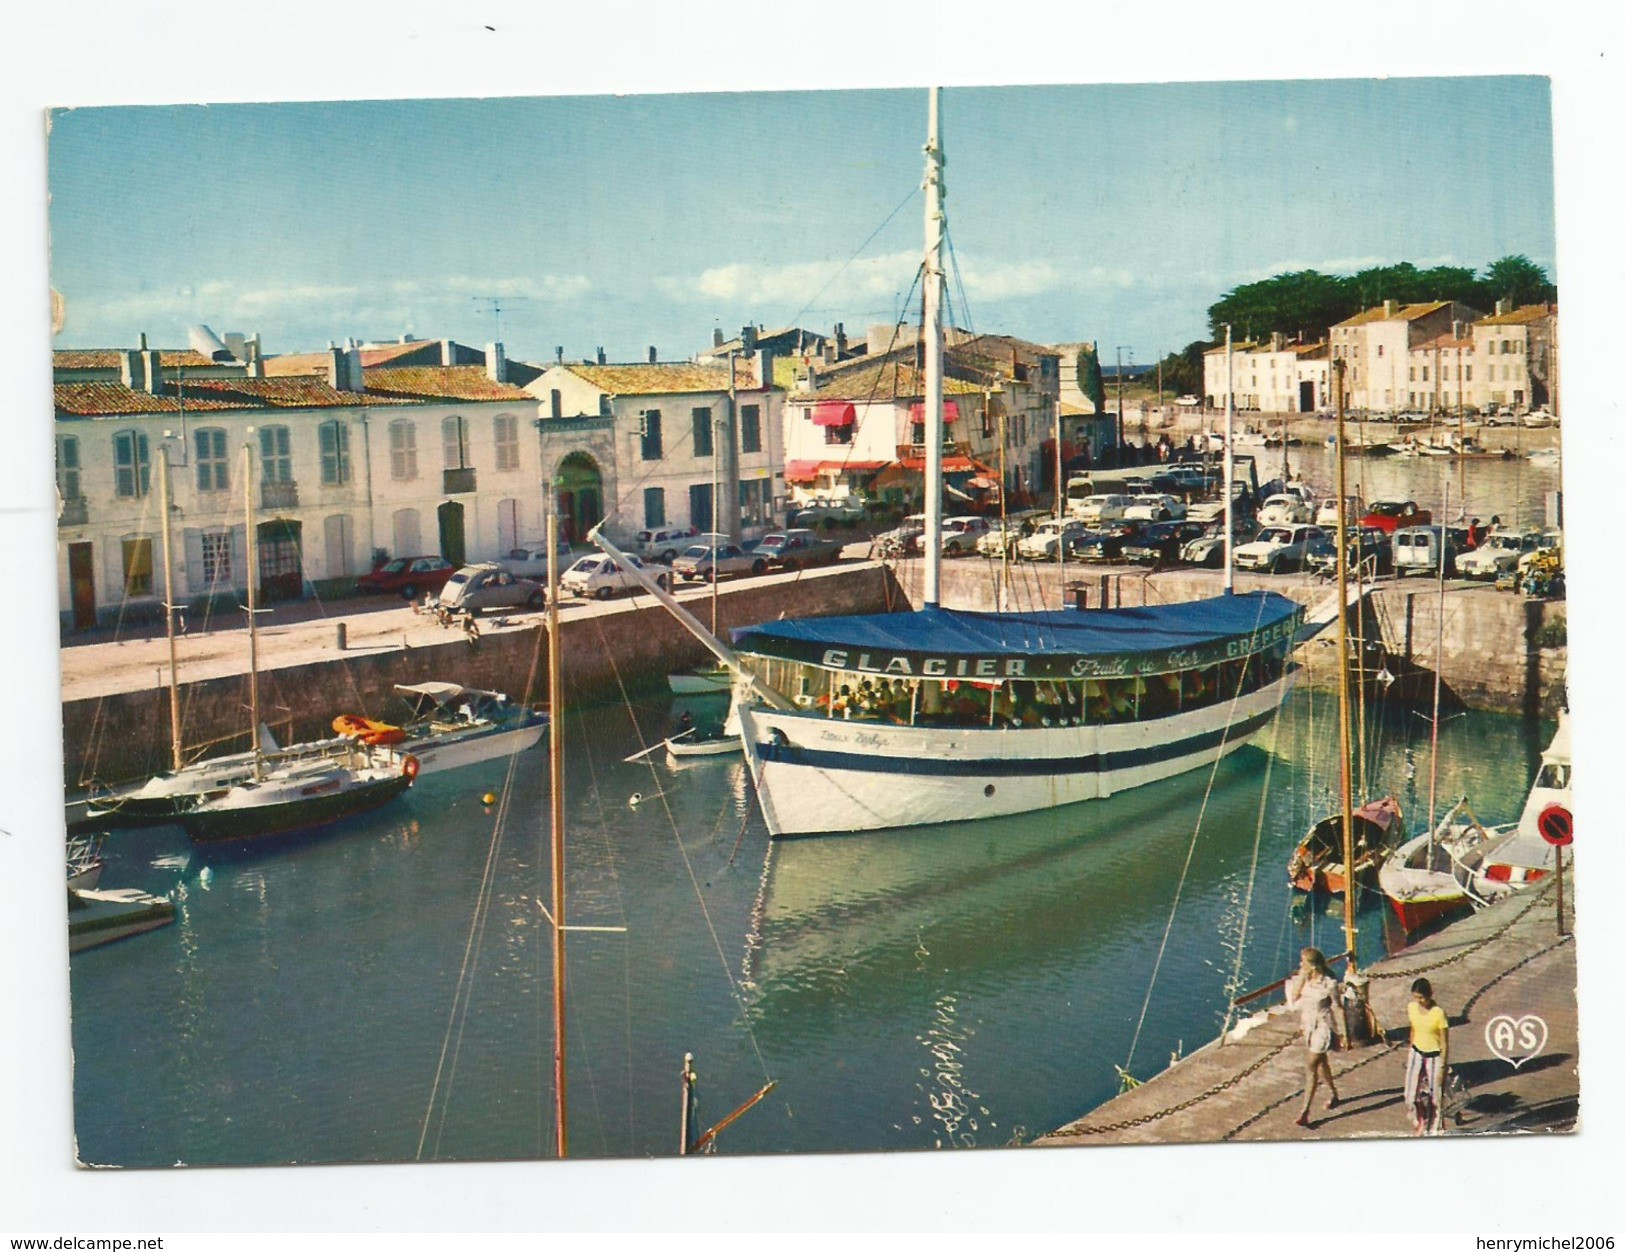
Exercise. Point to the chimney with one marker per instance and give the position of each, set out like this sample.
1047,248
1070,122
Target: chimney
764,369
496,363
812,377
840,340
404,339
256,363
338,370
601,356
448,352
1503,307
131,367
1275,341
716,337
652,357
143,341
1390,308
558,355
155,377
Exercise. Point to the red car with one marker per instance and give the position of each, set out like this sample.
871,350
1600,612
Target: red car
411,576
1392,515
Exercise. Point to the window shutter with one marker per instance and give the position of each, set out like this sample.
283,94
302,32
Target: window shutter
239,557
190,582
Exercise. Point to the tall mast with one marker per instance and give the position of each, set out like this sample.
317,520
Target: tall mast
1345,766
251,544
936,225
1229,457
169,609
555,766
1438,669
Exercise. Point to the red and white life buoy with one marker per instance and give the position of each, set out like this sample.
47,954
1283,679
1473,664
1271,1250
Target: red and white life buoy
410,767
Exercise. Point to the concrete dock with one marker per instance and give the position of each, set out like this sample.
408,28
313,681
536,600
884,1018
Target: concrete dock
1505,962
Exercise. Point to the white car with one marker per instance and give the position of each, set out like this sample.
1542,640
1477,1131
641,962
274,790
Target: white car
1326,514
1044,544
959,534
1277,548
600,577
1286,509
1498,554
1154,507
1105,508
530,561
664,543
1002,534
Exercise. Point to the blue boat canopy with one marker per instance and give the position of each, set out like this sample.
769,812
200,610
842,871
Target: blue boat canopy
1052,644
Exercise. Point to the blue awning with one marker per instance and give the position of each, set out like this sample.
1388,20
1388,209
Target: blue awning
1054,644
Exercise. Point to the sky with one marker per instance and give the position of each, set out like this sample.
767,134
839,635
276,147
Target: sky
1114,212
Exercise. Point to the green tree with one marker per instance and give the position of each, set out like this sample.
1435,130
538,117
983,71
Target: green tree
1518,279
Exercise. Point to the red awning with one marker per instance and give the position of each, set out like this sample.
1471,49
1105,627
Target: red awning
853,467
950,465
800,471
834,413
950,412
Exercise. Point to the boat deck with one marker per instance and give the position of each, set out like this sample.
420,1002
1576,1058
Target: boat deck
1506,960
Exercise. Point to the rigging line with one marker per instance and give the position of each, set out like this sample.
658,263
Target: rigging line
913,191
1234,985
688,865
959,281
1190,853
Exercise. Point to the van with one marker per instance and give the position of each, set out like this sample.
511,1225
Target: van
1417,549
665,543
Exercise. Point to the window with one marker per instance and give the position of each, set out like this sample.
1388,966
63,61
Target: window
507,525
334,438
843,434
1492,347
216,550
403,450
702,432
131,472
67,467
1468,377
506,426
209,449
276,461
137,566
654,507
752,503
1379,349
1413,373
454,435
339,534
750,428
651,436
1506,346
408,535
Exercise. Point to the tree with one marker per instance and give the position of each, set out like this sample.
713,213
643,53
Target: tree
1518,279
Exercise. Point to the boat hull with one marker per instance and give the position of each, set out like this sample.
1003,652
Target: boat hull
316,805
817,775
457,749
98,917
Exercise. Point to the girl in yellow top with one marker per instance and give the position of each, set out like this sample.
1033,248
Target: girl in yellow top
1429,1055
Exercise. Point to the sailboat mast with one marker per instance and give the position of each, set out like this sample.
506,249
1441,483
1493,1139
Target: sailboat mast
1229,458
169,609
936,224
253,572
1345,767
1438,659
555,766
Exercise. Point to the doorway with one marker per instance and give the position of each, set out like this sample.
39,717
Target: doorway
82,585
453,543
282,574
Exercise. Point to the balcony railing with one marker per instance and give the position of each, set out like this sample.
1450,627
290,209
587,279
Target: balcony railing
279,495
458,481
75,512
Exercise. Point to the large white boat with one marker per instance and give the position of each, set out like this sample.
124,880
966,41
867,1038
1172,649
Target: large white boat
451,726
941,715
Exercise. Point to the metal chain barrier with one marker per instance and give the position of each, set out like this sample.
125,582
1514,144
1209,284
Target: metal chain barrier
1537,896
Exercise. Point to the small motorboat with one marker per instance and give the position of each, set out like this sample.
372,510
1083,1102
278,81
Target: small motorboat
684,748
450,725
1518,856
1425,880
707,680
1318,863
98,917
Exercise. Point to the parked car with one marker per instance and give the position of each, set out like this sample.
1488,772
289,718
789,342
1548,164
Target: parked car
1285,509
1277,548
1393,515
1206,549
601,577
1498,554
832,512
475,588
796,549
1326,513
959,535
1367,546
1417,549
1002,534
706,562
900,542
1161,542
411,576
665,543
1155,507
1044,544
530,561
1104,542
1102,508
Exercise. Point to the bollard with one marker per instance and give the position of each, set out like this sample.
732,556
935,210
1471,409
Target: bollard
343,634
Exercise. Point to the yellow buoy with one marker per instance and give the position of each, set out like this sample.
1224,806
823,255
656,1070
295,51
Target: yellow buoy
490,797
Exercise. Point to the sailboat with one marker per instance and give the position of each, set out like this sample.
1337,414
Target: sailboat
163,797
941,715
280,797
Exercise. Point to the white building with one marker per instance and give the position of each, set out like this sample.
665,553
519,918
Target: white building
1271,376
1376,346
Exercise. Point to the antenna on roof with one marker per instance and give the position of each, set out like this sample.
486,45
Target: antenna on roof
497,304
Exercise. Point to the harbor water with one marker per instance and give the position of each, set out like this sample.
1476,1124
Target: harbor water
380,991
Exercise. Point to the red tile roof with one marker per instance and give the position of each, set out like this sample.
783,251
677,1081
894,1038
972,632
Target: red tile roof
661,379
371,358
440,382
886,379
107,399
109,358
1519,317
1405,313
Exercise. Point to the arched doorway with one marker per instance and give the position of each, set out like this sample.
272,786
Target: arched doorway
453,545
282,575
578,488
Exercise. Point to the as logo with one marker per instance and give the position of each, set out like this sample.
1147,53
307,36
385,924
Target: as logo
1515,1040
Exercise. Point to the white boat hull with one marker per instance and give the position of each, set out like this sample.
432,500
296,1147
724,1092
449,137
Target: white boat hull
820,775
455,750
